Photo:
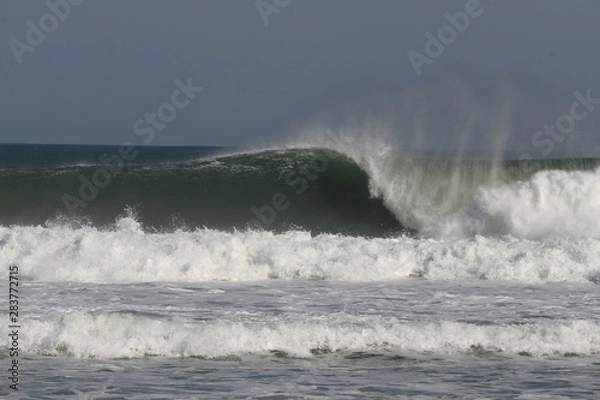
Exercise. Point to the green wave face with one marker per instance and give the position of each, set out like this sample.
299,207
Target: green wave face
320,191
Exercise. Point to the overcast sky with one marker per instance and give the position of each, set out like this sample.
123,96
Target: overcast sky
109,62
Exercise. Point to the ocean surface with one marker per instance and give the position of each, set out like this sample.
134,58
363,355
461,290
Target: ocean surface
298,272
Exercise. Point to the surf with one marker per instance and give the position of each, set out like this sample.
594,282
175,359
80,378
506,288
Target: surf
92,335
62,253
348,190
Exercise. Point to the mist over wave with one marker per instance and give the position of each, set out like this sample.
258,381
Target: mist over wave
464,197
420,143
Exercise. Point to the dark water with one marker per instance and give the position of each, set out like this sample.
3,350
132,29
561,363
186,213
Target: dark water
319,191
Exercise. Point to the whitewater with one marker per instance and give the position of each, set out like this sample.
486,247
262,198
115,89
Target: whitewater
63,253
466,279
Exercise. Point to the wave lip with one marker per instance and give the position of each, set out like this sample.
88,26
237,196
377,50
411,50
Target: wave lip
419,188
105,335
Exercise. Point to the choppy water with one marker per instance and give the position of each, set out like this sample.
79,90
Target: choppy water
311,339
429,278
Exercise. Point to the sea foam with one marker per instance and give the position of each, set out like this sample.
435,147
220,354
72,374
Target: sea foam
126,253
550,204
110,335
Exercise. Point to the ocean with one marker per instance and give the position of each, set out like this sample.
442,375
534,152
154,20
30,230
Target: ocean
296,272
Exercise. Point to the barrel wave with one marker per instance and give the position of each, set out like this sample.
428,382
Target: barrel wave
304,252
314,190
318,191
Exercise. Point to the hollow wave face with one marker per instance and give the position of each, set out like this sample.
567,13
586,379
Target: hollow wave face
319,191
354,187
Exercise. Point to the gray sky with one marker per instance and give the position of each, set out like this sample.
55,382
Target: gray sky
112,61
